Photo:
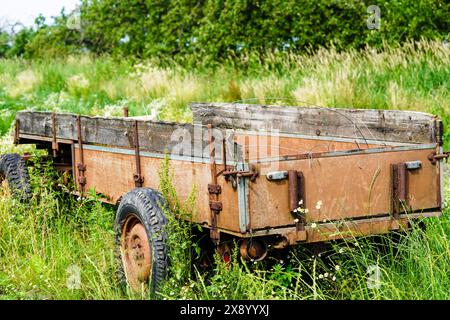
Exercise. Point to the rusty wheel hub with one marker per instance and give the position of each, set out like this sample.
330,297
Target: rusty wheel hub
136,253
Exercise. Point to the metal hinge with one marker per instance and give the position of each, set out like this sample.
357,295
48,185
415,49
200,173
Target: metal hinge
214,189
137,177
81,178
216,206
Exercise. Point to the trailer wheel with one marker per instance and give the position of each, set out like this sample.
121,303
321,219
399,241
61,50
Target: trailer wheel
141,239
14,170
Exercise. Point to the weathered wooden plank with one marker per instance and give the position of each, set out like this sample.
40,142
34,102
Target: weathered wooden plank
154,136
367,124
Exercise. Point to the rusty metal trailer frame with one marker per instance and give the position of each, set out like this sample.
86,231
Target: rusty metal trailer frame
292,174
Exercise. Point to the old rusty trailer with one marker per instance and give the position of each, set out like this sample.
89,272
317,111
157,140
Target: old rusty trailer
263,174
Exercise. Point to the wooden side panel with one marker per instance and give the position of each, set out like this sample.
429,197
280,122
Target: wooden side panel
345,186
111,174
382,125
154,136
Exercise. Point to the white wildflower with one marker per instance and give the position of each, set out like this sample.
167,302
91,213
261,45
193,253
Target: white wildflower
319,205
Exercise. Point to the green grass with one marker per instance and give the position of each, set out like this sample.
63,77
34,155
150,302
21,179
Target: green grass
42,241
413,77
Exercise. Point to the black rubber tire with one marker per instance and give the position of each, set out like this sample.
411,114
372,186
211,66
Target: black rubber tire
148,206
14,170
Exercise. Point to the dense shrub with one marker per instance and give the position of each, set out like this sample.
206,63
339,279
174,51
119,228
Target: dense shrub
213,30
208,31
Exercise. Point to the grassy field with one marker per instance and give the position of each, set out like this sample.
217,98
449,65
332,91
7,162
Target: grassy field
44,244
414,77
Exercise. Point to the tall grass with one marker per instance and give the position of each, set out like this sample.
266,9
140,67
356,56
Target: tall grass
42,243
412,77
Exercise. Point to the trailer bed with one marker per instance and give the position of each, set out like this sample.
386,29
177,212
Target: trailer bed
301,174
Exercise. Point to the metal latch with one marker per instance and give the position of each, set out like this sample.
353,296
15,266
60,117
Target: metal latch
252,174
434,157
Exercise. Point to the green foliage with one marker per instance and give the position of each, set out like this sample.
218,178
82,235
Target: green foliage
181,242
20,41
411,77
4,43
42,241
208,32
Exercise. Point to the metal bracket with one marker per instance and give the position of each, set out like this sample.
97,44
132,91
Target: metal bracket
216,206
214,203
137,177
399,189
413,165
243,198
276,175
81,170
439,132
400,185
55,146
17,132
214,189
81,166
297,197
